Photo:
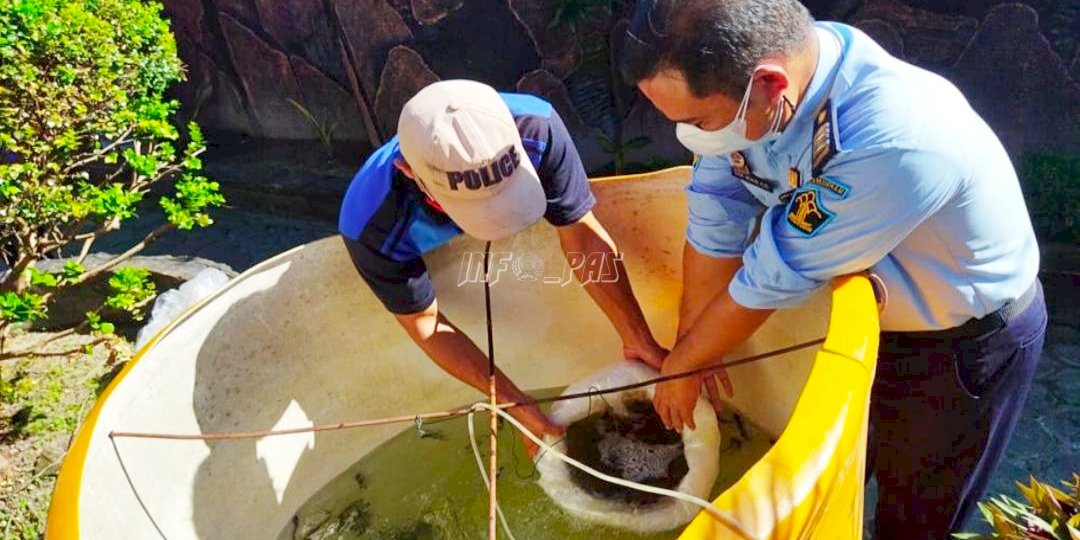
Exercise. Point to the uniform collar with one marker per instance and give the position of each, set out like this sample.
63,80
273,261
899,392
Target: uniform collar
832,43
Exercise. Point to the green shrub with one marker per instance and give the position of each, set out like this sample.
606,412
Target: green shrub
1052,189
85,132
1046,513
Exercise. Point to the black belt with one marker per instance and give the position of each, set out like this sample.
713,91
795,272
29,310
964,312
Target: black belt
984,325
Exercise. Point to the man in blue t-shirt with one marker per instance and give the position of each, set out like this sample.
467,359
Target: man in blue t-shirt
822,155
468,159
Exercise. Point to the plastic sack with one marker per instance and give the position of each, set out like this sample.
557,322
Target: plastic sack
701,448
171,303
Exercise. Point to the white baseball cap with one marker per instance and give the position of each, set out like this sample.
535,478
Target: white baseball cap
463,145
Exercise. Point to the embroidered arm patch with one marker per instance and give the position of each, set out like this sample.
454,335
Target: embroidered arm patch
807,213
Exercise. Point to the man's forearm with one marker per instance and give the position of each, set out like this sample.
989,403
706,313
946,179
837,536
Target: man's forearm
607,282
704,278
454,352
722,325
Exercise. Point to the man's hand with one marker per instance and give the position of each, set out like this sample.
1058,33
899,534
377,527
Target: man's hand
717,374
535,421
704,278
675,401
649,352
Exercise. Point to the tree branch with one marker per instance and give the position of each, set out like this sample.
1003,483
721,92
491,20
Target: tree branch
94,156
11,282
112,176
36,347
85,250
147,240
73,230
88,238
5,326
35,352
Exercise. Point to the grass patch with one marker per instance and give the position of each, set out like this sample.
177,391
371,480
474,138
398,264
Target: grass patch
42,402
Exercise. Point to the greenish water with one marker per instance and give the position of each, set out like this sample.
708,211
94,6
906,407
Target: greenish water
428,487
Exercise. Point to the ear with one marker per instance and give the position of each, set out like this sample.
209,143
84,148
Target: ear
404,167
770,80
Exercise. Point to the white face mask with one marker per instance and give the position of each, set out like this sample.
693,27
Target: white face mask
730,138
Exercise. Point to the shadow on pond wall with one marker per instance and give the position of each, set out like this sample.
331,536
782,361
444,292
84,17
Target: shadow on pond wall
351,64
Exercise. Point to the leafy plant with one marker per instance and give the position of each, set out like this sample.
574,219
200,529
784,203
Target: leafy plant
618,149
85,133
573,13
324,130
593,24
1052,189
1047,513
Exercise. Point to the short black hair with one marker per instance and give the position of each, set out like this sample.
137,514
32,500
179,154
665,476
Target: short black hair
715,44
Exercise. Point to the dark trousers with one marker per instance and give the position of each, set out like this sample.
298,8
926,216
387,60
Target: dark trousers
942,410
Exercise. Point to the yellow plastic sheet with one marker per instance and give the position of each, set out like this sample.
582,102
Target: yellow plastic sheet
810,484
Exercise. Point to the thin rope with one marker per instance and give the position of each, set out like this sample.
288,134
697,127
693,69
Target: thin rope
135,492
239,435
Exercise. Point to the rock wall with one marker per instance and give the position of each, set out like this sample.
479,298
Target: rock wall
1009,59
274,68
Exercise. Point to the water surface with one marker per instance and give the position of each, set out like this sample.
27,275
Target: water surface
427,486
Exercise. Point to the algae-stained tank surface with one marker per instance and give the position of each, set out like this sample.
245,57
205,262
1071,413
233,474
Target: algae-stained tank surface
427,486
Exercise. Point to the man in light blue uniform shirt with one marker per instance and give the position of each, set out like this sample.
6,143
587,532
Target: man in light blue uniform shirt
822,155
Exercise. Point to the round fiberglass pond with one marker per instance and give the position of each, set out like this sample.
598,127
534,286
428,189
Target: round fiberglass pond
424,483
300,341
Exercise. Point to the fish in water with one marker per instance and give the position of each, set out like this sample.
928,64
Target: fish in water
636,447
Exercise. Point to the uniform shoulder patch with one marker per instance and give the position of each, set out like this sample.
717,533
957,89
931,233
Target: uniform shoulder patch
824,142
807,213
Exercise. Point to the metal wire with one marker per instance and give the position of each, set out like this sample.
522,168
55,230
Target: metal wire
409,418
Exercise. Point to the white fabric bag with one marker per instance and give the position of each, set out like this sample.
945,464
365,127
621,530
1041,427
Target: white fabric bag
701,449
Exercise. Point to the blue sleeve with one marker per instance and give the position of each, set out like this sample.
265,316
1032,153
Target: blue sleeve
562,175
403,286
866,203
721,210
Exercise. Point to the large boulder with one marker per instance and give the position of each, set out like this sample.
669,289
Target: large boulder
370,29
1019,84
268,82
831,10
429,12
187,23
498,55
930,40
241,10
558,49
220,100
330,104
885,34
304,26
405,74
545,84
